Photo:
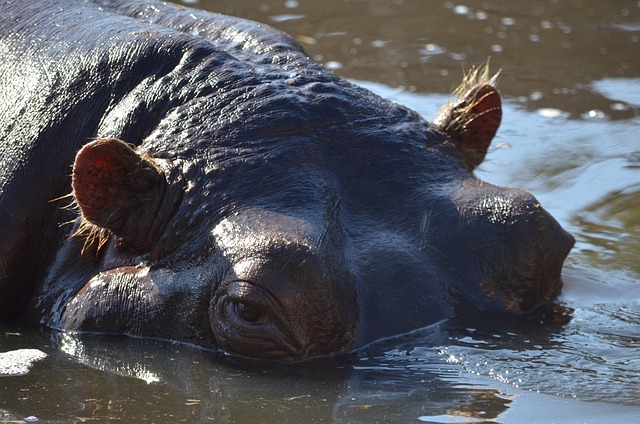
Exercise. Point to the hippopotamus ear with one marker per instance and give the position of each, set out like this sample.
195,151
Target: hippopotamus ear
472,120
118,189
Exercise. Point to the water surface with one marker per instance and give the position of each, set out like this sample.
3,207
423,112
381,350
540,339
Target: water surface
570,78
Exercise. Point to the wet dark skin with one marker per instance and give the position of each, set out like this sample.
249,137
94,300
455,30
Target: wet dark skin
230,193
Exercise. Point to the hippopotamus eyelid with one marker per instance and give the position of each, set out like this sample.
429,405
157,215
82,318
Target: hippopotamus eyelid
252,296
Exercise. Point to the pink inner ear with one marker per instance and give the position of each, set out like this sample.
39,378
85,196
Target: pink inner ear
481,121
116,188
102,164
121,191
98,172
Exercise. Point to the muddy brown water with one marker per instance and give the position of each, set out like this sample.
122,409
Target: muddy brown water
570,77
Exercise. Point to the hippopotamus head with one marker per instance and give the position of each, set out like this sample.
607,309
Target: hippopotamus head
309,219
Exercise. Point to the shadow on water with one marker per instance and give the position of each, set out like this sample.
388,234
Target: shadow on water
571,84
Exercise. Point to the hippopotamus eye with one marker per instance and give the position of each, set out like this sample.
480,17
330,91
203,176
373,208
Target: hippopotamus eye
248,313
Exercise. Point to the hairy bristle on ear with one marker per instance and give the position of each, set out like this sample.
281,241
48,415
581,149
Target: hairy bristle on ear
476,75
472,118
93,235
453,123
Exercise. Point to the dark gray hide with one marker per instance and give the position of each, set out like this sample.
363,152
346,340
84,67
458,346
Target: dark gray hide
268,208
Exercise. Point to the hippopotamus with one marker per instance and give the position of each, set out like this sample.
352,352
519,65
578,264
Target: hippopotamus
178,174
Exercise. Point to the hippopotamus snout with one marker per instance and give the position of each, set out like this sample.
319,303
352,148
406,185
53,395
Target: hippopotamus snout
287,294
520,247
298,287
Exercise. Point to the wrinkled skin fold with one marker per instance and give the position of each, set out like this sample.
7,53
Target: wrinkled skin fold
228,192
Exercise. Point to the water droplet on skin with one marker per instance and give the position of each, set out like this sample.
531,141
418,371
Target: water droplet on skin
291,4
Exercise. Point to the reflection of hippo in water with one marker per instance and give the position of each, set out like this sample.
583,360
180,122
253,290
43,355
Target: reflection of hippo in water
260,205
